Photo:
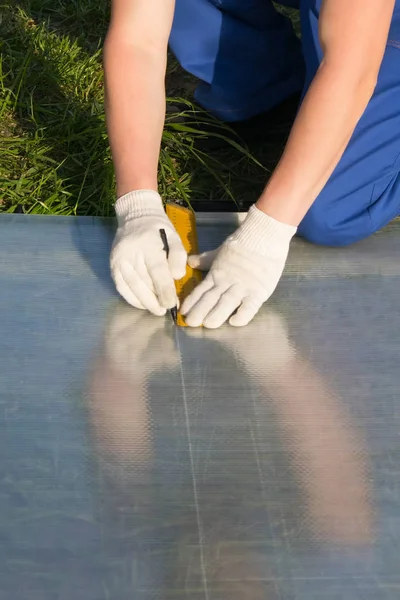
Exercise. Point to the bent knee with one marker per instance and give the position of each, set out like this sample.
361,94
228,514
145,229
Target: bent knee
327,228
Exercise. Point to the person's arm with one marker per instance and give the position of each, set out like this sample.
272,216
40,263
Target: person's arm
135,57
248,267
353,36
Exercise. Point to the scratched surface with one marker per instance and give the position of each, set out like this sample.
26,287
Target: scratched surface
141,462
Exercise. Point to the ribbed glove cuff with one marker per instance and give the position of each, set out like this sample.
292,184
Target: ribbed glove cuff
259,232
141,203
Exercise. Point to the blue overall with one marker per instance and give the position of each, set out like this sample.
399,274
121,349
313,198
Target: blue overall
248,59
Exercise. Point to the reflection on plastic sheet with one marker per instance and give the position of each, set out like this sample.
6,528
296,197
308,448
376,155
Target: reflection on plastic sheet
325,454
144,461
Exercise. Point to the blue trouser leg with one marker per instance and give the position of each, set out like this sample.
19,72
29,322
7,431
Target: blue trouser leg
248,60
245,54
363,193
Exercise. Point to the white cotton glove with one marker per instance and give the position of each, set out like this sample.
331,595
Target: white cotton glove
139,266
244,273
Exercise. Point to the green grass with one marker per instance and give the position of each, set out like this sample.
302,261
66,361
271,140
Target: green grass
54,153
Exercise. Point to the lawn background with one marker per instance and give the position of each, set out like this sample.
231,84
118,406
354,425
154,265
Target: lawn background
54,154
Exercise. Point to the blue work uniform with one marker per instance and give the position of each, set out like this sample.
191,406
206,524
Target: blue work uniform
248,60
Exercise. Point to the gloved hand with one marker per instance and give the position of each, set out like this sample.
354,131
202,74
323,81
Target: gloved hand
244,273
139,266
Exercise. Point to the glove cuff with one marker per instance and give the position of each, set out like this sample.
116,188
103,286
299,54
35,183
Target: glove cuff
140,203
260,232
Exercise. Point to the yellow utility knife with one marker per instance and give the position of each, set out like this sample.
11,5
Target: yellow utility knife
184,221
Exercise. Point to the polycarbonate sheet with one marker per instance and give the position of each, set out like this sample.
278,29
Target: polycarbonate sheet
139,461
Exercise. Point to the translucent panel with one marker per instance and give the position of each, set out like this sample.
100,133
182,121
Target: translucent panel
143,462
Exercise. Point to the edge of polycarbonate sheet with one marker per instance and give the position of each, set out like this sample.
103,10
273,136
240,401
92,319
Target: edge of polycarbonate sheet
376,255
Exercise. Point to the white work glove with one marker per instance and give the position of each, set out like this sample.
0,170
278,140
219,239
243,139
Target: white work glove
139,266
244,273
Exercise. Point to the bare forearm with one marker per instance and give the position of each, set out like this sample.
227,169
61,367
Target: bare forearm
326,121
135,110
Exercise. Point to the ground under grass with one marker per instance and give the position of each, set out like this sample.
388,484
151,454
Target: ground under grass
54,154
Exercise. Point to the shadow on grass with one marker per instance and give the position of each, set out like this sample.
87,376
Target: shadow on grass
83,21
